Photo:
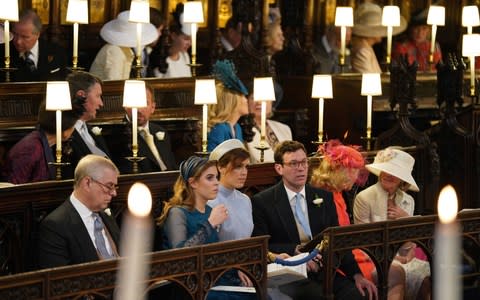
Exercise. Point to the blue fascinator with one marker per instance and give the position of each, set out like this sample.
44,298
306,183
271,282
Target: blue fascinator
224,70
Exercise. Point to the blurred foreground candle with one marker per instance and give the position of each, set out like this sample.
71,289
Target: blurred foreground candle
371,86
343,19
447,280
436,17
134,97
263,91
321,89
136,241
205,94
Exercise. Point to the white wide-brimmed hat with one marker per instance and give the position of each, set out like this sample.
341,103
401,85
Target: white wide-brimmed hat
394,162
123,33
368,22
224,147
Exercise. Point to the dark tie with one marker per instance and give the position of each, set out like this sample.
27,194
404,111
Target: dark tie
99,240
29,63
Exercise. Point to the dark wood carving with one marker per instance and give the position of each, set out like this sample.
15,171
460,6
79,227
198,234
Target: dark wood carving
195,269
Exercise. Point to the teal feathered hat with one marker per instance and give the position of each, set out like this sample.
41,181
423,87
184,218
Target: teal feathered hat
224,70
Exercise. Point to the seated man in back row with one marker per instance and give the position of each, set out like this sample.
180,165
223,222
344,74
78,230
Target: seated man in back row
287,213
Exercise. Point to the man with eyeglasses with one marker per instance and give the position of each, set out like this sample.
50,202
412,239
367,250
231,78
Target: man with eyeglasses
80,230
287,212
34,58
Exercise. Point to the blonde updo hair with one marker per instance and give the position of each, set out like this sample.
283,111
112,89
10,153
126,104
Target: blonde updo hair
227,102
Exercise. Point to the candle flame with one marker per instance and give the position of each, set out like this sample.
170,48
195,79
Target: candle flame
139,200
447,204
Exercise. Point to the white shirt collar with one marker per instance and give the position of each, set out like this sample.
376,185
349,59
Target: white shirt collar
291,194
79,124
82,210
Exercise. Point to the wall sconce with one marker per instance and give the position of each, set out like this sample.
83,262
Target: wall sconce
263,91
470,17
9,12
139,13
470,49
390,19
343,19
205,93
436,17
193,14
134,97
58,99
371,86
321,89
77,13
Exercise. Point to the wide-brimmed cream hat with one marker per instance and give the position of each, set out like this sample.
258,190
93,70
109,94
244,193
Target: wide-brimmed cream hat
123,33
225,147
395,162
367,22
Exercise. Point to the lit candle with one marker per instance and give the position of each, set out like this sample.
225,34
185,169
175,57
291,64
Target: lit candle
389,43
139,40
432,46
75,39
343,37
59,129
134,126
320,119
194,39
369,116
136,241
263,120
204,122
472,75
447,248
6,37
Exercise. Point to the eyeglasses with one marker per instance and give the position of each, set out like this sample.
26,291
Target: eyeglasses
110,187
296,164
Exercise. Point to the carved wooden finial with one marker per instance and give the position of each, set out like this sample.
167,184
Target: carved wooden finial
403,77
450,82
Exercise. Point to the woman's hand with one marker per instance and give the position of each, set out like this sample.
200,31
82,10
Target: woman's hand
244,279
218,215
394,212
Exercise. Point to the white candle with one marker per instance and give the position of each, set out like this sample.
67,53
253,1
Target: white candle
134,126
369,113
194,39
75,39
139,40
469,29
59,130
472,75
204,122
6,37
343,37
432,46
136,241
389,43
320,117
263,120
447,248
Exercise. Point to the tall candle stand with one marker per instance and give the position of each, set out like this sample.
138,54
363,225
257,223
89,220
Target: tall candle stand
193,14
77,13
205,94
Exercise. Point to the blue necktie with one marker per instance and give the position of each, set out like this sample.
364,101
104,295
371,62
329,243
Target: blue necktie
99,240
300,215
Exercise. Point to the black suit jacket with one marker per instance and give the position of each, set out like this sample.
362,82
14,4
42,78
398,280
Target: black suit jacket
52,62
79,149
64,240
272,215
149,164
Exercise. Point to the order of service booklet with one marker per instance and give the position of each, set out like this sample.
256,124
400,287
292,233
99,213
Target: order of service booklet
279,275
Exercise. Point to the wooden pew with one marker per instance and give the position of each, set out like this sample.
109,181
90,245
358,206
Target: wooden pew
381,241
195,269
23,206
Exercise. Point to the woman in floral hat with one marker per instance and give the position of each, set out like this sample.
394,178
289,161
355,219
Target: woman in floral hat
387,200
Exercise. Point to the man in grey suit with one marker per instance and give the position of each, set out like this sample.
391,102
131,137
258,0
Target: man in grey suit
286,212
80,230
326,52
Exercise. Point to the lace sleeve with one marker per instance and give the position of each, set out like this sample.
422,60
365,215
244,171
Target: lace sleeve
176,230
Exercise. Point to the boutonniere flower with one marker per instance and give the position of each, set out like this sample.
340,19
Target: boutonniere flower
97,130
317,201
160,135
108,212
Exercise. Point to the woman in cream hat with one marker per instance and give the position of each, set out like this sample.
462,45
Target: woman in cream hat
114,60
387,200
368,31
